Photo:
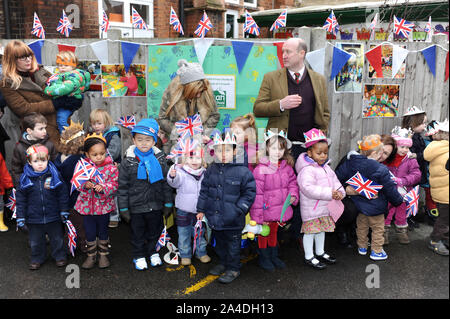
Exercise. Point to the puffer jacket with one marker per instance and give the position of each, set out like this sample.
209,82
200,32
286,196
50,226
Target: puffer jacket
407,174
72,83
437,154
90,202
316,184
227,193
376,172
138,195
5,178
273,184
418,147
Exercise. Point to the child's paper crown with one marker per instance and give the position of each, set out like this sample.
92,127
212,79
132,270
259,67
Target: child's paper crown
442,126
76,127
229,139
95,135
35,149
369,142
68,62
431,128
412,110
313,136
403,136
269,134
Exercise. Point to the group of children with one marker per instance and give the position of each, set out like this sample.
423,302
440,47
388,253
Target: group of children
243,177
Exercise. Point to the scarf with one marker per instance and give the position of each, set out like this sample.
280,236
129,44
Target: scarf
28,172
148,165
396,161
196,173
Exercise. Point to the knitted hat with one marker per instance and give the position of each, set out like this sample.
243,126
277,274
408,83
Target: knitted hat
402,136
147,127
189,72
313,136
412,110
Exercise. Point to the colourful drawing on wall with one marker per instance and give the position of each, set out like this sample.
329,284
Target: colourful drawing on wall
380,100
116,82
219,60
94,68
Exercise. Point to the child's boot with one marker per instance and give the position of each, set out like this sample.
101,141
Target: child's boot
387,229
402,234
3,227
103,252
91,255
274,258
265,260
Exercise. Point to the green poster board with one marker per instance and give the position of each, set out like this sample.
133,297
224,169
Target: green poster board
219,65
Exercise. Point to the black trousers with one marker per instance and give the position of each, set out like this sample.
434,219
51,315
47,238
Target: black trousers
145,231
228,248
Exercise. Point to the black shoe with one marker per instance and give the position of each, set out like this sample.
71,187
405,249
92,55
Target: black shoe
316,264
34,266
327,259
228,276
217,270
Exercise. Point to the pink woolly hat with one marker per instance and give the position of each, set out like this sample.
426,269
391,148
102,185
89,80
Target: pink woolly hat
402,136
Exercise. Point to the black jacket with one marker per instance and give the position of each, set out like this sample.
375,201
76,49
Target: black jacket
418,147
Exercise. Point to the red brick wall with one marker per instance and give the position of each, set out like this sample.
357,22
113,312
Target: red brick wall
161,13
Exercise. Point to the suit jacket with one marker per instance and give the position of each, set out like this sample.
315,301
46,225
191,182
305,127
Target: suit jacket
274,87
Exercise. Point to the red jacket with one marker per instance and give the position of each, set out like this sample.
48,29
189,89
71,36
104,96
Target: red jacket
5,178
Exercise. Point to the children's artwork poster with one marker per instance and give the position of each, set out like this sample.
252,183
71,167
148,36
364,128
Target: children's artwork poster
116,82
219,61
386,63
380,100
95,69
349,79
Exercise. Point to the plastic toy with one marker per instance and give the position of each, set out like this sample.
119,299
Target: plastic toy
253,229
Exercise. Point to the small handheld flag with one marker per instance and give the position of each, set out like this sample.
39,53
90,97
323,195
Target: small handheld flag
428,27
280,22
64,27
198,232
105,22
11,204
203,26
175,22
128,122
189,126
364,186
331,24
403,27
374,22
38,28
164,238
412,201
84,171
250,25
137,20
72,236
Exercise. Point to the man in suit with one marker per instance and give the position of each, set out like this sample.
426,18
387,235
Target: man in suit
295,100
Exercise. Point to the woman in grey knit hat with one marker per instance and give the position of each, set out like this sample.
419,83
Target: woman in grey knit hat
188,93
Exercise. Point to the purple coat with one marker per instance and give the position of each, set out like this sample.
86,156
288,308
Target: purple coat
407,174
273,184
188,189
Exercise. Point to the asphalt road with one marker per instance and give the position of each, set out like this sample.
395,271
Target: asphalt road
411,271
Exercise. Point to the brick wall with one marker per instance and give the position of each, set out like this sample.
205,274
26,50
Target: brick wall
161,13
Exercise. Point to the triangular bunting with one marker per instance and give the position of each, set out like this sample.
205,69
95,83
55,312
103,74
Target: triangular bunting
374,58
100,49
340,57
201,48
430,56
36,46
129,50
316,60
241,52
398,56
279,46
64,47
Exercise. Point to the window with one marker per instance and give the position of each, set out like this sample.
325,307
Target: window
251,3
114,10
231,25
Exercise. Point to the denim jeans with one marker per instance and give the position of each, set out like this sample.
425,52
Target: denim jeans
185,233
38,243
62,117
228,248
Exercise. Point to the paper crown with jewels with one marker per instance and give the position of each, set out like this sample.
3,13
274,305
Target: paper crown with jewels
313,136
95,135
403,136
36,149
68,62
229,139
442,126
369,142
431,128
412,110
76,127
269,134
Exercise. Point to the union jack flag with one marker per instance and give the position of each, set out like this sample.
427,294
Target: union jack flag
331,24
392,177
84,171
128,122
364,186
412,201
175,22
184,146
198,232
374,22
105,22
280,22
163,239
428,27
11,204
403,27
71,236
189,126
250,25
64,27
38,28
203,26
137,20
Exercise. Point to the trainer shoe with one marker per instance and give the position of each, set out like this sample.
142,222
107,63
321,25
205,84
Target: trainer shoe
438,247
228,276
378,256
362,251
155,260
217,270
140,263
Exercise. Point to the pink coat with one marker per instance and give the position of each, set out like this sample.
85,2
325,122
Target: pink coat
316,184
273,184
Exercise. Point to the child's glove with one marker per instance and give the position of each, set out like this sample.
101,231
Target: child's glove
167,209
125,215
20,222
64,216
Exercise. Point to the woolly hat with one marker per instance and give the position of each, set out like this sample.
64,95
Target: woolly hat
147,127
402,136
189,72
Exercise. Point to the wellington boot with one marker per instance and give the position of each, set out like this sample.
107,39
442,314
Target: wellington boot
3,227
402,235
103,252
91,255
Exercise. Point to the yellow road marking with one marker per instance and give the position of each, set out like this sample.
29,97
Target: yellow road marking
192,271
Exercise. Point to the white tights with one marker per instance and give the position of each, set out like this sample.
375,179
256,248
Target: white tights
308,242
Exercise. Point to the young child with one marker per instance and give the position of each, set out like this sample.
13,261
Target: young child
34,131
68,84
407,175
144,196
437,154
275,180
96,201
371,211
5,183
244,128
187,179
318,185
42,204
227,193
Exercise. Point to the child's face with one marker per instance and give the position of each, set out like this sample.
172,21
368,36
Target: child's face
144,143
319,152
97,153
421,127
225,153
64,68
37,163
98,127
239,133
39,132
402,150
275,151
194,162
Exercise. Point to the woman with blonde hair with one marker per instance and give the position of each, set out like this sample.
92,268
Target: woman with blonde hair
23,83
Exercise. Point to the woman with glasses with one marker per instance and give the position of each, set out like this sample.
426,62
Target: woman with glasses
22,86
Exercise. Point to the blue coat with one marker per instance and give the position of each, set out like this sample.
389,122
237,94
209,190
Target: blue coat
376,172
39,204
226,195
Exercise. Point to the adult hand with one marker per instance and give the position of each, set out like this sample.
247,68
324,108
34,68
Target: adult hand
291,101
351,191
